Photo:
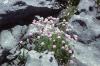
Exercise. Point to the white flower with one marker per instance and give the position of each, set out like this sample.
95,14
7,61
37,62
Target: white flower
64,20
38,37
59,37
68,13
52,52
50,38
42,43
57,30
63,41
66,23
54,40
63,24
62,31
68,29
73,56
66,46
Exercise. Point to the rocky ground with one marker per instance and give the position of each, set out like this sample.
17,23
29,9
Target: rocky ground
19,19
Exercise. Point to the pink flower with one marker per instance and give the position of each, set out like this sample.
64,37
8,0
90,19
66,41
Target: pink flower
30,34
51,21
66,48
21,42
45,20
68,36
40,31
62,47
49,34
70,51
54,46
34,22
75,37
50,17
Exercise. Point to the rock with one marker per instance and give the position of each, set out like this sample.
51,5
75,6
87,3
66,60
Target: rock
5,64
7,40
3,58
31,30
23,12
19,31
86,26
40,59
86,55
24,52
76,62
88,8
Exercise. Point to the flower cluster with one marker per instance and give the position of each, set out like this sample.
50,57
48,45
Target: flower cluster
56,44
50,38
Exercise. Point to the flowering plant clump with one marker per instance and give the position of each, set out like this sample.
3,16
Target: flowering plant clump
50,38
55,44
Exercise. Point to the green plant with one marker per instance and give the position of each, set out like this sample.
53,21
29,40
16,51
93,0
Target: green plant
22,57
98,2
70,10
56,44
49,38
73,2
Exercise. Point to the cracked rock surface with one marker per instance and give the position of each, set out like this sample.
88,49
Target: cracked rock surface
86,26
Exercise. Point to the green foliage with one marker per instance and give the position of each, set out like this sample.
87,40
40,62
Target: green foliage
69,12
73,2
22,58
55,43
98,2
